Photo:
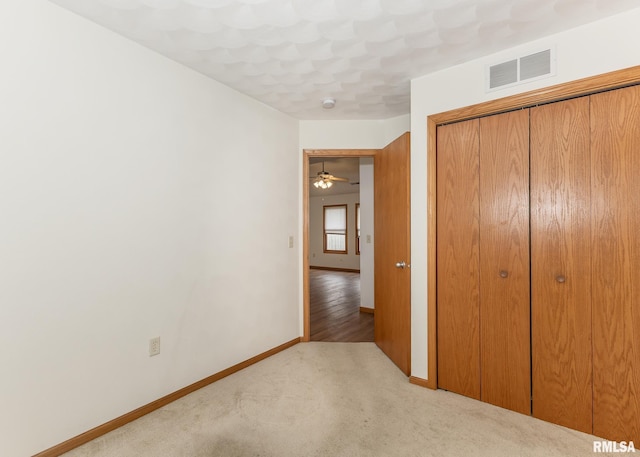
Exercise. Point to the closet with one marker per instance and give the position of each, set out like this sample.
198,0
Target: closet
538,261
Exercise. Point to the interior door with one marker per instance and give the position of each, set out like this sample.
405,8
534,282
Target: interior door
615,170
561,263
458,258
392,260
505,373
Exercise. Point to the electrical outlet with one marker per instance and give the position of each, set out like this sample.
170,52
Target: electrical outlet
290,241
154,346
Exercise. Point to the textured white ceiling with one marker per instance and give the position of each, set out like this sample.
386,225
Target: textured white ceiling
291,54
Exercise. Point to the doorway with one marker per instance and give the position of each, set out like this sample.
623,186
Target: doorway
392,262
332,292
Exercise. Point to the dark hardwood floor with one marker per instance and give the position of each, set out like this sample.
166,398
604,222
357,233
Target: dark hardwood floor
335,307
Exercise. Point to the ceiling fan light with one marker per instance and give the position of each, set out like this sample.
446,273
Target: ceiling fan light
324,180
321,183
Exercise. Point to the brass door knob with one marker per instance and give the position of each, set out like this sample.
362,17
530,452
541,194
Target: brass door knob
561,279
504,273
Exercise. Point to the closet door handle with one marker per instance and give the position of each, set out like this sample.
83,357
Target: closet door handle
561,279
504,274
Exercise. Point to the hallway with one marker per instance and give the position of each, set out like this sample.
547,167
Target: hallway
335,307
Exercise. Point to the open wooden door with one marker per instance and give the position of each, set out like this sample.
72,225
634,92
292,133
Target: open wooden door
392,252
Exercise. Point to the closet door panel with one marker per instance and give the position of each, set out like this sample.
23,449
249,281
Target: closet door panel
504,261
615,146
561,263
458,258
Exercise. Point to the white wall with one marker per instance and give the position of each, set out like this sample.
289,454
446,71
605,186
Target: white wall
393,127
367,296
131,207
349,134
600,47
317,257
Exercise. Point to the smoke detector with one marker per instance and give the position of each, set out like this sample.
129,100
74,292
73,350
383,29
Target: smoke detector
328,103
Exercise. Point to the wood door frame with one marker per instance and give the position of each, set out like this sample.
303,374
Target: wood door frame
308,153
607,81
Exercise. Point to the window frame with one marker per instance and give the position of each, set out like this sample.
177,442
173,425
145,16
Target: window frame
325,233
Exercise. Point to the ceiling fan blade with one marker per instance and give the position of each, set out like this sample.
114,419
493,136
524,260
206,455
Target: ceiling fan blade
326,176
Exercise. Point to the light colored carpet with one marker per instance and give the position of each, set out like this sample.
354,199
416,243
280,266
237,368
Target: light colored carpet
332,399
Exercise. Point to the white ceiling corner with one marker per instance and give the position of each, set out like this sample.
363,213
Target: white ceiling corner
291,54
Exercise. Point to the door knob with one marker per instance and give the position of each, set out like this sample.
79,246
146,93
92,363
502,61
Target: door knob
504,273
401,264
561,279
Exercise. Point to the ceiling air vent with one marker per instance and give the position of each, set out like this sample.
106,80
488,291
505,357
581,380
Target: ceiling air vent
524,69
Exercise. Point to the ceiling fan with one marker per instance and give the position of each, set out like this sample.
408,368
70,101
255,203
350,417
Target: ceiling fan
324,179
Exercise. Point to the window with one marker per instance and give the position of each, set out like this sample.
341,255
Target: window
357,228
335,229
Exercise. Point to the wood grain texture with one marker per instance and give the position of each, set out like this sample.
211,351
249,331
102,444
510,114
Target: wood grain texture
432,242
105,428
392,226
504,249
585,86
335,307
561,263
458,263
419,382
615,137
306,322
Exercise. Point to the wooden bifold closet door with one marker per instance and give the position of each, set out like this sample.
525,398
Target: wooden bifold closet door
585,238
504,261
561,263
615,274
458,258
483,259
538,261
